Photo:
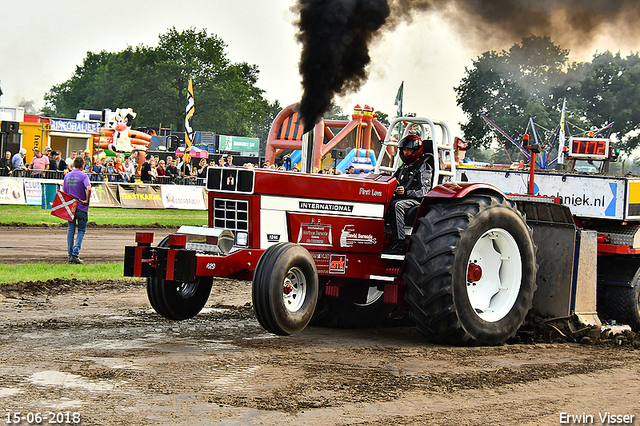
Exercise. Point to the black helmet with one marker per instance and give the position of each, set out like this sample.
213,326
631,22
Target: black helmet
414,143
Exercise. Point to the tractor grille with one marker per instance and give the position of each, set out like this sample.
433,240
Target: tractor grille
231,214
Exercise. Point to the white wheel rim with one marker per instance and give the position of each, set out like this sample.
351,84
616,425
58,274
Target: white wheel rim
493,291
373,295
294,289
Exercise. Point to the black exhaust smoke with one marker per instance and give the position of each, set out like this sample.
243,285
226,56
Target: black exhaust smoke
335,34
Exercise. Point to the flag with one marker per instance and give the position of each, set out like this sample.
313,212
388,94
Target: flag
188,130
561,136
398,101
64,206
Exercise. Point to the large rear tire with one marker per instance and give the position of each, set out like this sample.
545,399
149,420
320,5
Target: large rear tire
285,288
623,304
178,301
471,271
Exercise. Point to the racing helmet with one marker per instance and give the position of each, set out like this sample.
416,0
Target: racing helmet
414,143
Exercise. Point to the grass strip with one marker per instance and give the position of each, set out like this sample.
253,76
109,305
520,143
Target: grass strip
45,271
12,215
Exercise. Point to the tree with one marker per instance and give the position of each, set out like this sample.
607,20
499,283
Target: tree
606,90
154,80
511,86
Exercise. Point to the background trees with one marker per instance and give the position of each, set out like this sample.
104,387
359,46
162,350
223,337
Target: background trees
153,81
533,78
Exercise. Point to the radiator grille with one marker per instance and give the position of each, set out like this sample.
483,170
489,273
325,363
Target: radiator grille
231,214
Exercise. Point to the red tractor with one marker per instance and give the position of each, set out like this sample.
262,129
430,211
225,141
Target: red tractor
314,247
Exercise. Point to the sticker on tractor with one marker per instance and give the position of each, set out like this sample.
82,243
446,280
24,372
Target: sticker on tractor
315,234
306,205
349,237
337,264
273,238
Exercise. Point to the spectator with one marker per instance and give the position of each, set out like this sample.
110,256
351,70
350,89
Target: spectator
95,170
202,168
5,164
161,169
78,186
129,170
70,159
47,152
120,172
145,170
111,171
58,165
221,162
185,171
154,170
39,162
87,159
266,164
172,170
229,160
350,170
17,161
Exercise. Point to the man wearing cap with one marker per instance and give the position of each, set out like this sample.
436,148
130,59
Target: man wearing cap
39,162
76,183
18,159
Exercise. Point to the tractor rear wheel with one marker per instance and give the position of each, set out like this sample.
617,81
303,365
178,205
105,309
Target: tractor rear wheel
285,288
623,304
471,271
178,301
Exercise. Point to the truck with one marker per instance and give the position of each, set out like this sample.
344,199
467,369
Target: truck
477,259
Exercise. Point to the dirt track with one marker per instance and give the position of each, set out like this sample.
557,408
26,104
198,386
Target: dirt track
100,350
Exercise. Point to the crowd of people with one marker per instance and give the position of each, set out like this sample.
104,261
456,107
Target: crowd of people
123,168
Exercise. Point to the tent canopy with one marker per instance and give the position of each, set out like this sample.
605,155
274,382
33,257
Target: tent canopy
194,152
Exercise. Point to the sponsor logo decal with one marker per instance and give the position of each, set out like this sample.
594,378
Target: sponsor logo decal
273,238
306,205
349,236
315,234
337,264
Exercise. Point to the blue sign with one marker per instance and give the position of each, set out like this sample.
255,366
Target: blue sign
73,126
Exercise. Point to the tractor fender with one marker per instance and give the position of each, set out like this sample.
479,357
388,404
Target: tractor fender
453,190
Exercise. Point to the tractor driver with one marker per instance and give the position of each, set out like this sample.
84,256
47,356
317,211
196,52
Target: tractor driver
414,181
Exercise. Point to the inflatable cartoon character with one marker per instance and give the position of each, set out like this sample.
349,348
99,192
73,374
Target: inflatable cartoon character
121,140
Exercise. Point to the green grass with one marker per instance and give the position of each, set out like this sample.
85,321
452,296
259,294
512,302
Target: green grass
44,271
36,216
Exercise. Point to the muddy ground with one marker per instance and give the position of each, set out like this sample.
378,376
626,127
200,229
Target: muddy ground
98,349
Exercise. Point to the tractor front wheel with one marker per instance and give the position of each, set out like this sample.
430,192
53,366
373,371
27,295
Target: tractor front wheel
176,300
471,271
285,288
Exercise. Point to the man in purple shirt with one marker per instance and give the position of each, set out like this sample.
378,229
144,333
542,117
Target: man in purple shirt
76,184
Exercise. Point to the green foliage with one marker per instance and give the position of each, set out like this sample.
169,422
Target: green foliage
606,90
35,215
154,81
511,86
532,78
336,113
35,272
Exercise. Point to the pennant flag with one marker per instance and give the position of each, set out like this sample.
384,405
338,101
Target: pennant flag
399,97
188,130
64,206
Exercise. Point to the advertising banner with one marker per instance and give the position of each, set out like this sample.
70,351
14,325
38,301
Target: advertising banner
239,143
183,197
73,126
33,192
140,196
11,191
104,194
